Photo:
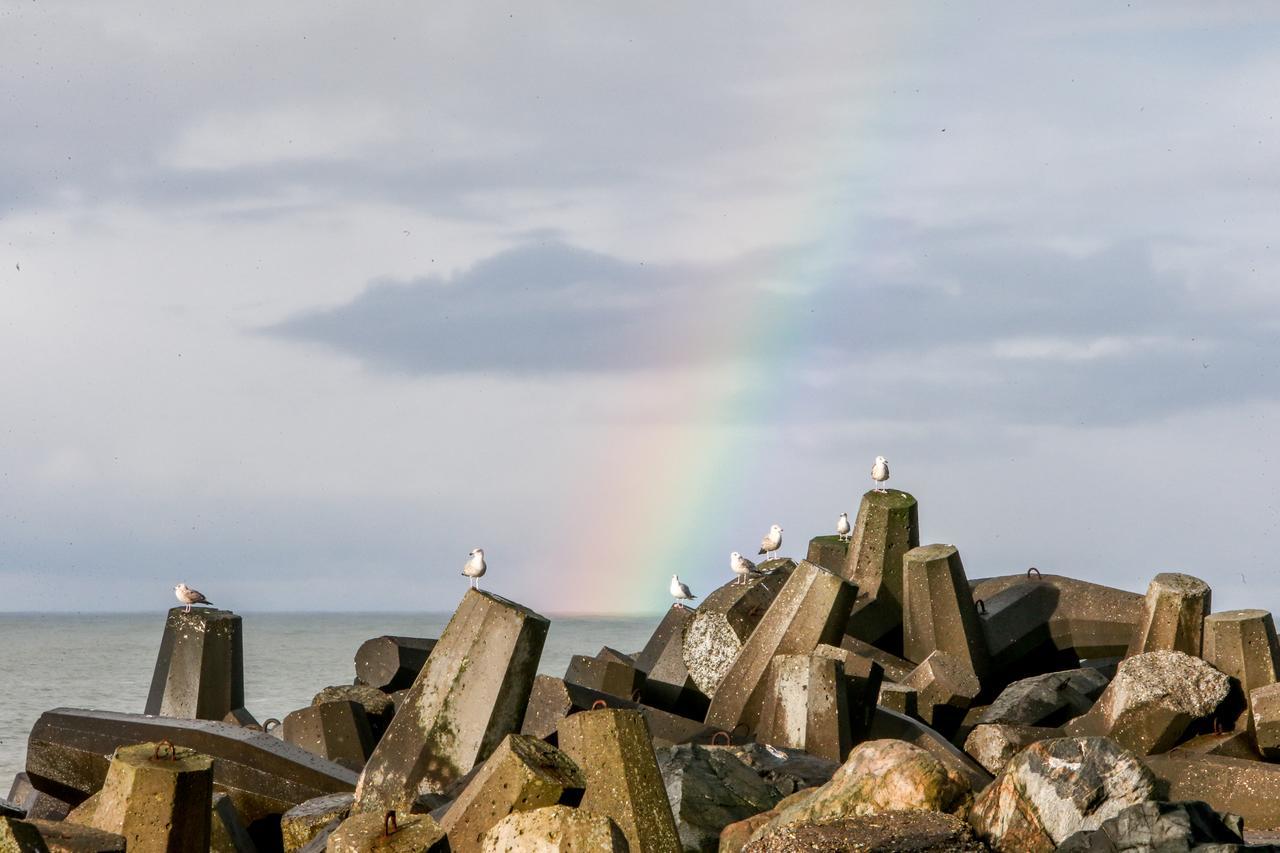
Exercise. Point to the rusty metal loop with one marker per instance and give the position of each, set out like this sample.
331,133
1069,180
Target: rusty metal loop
635,695
982,606
389,825
1033,569
173,750
267,724
599,703
727,739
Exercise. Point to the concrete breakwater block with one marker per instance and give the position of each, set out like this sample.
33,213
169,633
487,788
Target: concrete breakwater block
886,528
158,797
199,672
63,837
378,707
227,832
471,693
300,824
862,678
830,552
811,608
806,706
710,788
337,730
722,623
946,688
1172,615
552,699
392,663
615,753
1239,786
386,833
1242,644
938,612
667,682
17,836
264,776
612,677
555,829
523,773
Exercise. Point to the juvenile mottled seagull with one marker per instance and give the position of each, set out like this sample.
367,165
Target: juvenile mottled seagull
475,568
680,592
842,526
189,596
742,567
880,471
771,542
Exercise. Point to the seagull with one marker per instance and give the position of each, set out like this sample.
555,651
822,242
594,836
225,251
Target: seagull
475,568
680,592
189,596
842,526
772,542
742,567
880,472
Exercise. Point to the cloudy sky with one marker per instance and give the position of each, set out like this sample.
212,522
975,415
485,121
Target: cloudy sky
300,302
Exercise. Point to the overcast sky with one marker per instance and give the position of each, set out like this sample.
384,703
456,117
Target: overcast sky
300,302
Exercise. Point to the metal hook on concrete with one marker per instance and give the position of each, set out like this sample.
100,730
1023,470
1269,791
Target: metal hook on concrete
635,696
725,735
1033,569
982,606
389,825
270,723
173,751
599,703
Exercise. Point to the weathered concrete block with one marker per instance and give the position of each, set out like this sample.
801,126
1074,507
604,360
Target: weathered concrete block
946,687
555,829
670,630
227,832
895,668
887,527
470,694
876,621
614,751
610,654
1234,744
899,698
1239,786
551,700
523,773
1172,615
199,672
68,748
158,797
392,663
830,552
378,707
667,683
1051,699
17,836
721,624
938,613
806,706
35,804
811,608
993,745
373,833
710,788
63,837
304,821
863,678
8,808
1265,704
607,676
1151,701
338,731
1242,644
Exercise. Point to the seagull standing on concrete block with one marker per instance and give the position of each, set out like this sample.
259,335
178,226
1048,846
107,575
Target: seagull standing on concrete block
880,472
742,567
680,592
475,568
189,596
771,542
842,526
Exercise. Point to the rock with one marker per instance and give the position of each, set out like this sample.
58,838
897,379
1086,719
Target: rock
1056,787
613,749
63,837
1172,615
1239,786
721,624
378,707
888,725
555,829
945,688
788,770
1152,700
667,683
710,788
888,832
806,706
199,672
263,775
993,745
300,824
886,528
1265,702
810,609
1051,699
392,663
523,773
338,731
17,836
938,613
367,832
1242,644
227,832
157,797
879,776
900,698
607,676
1167,827
470,694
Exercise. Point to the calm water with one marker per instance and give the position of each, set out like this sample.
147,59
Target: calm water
105,660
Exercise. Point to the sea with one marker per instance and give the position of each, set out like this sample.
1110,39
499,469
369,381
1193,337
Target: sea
105,661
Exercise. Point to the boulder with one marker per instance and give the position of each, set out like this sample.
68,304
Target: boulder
1051,699
888,832
555,829
199,671
710,788
888,725
471,693
993,745
390,832
1152,700
1055,788
300,824
1167,827
788,770
1172,615
392,663
158,798
721,624
735,836
806,706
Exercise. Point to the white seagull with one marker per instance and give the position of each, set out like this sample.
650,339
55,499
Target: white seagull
680,592
189,596
742,567
772,542
842,526
880,472
475,568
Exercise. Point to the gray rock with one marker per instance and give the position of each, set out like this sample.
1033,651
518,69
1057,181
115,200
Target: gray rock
710,788
1166,827
993,745
1047,700
788,770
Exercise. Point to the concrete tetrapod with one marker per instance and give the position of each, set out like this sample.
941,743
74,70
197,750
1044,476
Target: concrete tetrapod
199,672
338,731
471,693
722,623
392,663
1172,615
158,797
938,612
886,528
1242,644
806,706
